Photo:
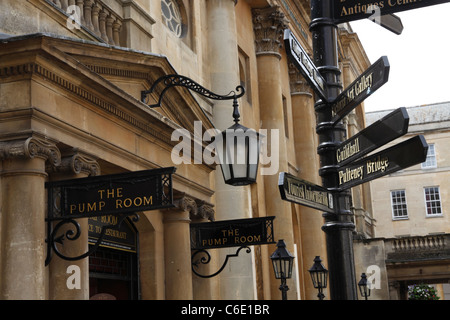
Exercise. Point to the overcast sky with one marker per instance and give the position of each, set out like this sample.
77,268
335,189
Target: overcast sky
419,58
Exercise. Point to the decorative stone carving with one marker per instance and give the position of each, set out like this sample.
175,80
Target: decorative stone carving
197,209
31,148
79,163
269,24
297,82
205,210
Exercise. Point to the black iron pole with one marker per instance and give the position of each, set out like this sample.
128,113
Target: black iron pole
338,226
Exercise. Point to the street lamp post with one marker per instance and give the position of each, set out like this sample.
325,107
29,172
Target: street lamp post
283,262
319,276
364,289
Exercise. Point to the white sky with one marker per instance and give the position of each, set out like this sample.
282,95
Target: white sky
419,58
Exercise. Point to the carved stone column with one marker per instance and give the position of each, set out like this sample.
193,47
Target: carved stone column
205,288
73,166
177,250
269,24
23,175
231,202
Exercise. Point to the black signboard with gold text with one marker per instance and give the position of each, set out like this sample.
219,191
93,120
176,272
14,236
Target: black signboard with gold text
232,233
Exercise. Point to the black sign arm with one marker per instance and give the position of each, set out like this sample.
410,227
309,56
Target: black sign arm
352,10
385,130
361,88
401,156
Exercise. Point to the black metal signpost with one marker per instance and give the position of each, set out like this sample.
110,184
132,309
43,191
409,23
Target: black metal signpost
228,233
337,171
119,196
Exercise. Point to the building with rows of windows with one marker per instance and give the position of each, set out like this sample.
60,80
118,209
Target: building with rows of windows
411,208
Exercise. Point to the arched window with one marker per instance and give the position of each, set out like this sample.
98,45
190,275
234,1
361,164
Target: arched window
173,17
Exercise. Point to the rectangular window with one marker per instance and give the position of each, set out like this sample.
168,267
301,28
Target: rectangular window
398,201
431,158
433,201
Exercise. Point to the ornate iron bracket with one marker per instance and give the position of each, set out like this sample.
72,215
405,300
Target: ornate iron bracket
174,80
207,259
54,238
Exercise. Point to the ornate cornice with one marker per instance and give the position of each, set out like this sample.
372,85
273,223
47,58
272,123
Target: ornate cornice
31,148
269,25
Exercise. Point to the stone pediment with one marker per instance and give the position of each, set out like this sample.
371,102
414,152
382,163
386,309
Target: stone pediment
100,72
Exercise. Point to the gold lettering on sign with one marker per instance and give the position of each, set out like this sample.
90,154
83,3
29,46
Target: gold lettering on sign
348,151
305,192
348,174
115,195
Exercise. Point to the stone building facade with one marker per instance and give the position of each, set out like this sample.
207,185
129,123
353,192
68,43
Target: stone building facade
411,242
71,77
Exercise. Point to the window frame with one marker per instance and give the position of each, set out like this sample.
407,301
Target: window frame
402,217
431,215
431,157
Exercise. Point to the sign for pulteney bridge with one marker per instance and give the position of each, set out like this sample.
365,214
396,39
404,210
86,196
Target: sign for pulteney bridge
351,10
398,157
232,233
111,194
305,193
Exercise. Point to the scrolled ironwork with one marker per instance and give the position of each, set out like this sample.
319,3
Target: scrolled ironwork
174,80
207,259
54,238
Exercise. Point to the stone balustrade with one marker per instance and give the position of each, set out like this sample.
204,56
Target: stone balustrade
95,16
418,243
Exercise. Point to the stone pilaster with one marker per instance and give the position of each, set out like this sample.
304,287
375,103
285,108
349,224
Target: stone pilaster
23,176
231,202
269,24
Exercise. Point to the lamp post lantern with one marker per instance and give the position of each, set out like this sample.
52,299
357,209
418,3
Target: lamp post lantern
283,262
319,276
237,147
364,289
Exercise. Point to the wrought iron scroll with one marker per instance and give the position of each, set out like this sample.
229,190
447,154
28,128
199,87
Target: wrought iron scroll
207,259
54,238
174,80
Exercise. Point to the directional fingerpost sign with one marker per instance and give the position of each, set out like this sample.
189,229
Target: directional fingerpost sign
303,62
366,84
305,193
398,157
351,10
390,22
390,127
